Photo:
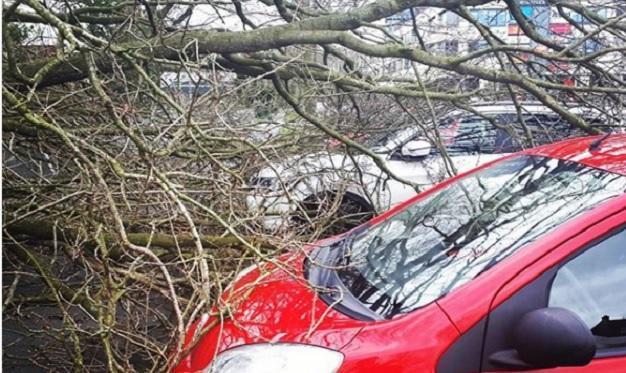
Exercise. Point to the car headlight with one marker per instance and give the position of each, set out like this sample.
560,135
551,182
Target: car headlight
279,357
264,183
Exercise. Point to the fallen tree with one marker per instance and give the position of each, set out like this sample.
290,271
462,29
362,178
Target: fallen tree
133,131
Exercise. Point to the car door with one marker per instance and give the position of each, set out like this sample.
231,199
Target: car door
590,282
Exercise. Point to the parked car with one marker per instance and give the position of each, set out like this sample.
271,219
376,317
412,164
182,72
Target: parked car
519,264
312,185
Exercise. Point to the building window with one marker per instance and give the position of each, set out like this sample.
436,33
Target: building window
403,16
490,17
527,11
580,19
446,47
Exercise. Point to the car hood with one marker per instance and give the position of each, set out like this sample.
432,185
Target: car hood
270,304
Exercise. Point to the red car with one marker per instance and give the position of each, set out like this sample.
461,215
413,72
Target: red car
517,265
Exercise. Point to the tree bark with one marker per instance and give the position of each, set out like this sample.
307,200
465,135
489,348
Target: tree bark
42,230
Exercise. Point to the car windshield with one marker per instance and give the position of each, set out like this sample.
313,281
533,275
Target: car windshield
451,236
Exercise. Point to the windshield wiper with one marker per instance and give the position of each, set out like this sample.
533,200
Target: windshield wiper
325,280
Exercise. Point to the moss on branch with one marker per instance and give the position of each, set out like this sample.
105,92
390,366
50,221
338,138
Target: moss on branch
42,230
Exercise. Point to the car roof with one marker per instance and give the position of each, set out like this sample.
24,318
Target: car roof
608,155
529,108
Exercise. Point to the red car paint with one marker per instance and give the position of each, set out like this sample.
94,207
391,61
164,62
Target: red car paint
280,307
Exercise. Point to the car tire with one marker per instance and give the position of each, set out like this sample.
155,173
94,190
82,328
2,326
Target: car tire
328,216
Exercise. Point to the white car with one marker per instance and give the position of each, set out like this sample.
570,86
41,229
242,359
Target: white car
340,185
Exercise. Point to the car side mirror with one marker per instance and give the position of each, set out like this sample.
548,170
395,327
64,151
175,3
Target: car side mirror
415,148
548,337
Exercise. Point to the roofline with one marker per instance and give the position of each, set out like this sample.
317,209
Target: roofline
529,107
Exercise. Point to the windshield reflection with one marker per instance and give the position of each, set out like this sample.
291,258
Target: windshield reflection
453,235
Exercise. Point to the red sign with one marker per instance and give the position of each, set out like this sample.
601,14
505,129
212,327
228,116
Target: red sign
562,28
558,67
514,30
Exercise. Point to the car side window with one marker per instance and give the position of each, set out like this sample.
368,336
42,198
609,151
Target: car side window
507,143
544,129
547,129
593,285
473,134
